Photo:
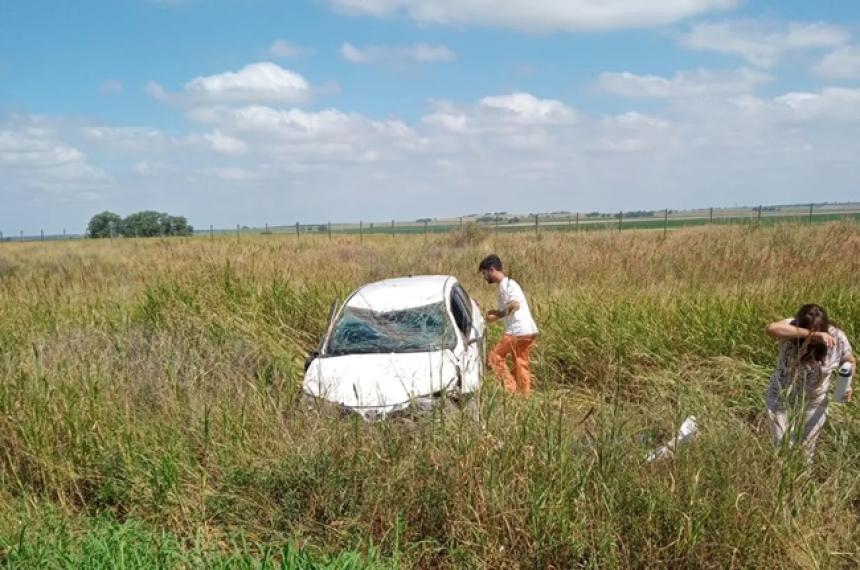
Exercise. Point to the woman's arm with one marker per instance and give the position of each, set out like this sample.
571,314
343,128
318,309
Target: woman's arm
785,330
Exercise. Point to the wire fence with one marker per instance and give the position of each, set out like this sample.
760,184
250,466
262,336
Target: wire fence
659,220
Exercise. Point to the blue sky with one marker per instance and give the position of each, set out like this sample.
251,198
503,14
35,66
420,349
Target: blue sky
255,111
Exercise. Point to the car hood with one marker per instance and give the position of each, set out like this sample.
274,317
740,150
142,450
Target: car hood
380,380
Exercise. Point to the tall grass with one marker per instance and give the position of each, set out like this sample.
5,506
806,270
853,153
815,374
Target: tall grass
148,408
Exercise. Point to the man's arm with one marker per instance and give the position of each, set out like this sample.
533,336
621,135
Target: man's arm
493,316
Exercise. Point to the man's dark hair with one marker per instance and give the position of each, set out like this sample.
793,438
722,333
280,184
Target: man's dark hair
491,262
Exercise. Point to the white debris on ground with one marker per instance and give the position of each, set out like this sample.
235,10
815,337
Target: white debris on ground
686,433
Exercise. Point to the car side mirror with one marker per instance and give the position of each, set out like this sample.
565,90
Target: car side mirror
476,337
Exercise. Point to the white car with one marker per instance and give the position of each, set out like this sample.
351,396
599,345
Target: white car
399,345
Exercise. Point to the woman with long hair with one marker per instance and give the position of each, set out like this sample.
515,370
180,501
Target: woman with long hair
810,349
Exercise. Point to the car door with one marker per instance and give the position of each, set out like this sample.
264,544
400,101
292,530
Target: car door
471,340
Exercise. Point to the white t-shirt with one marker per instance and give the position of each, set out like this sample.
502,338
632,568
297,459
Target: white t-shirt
520,322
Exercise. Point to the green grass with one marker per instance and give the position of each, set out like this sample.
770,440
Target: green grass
105,543
148,413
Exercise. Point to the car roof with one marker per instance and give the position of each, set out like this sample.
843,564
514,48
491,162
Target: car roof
402,293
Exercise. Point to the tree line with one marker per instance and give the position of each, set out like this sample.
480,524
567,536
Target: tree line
148,223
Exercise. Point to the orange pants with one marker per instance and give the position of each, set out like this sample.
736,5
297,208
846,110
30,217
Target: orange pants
519,347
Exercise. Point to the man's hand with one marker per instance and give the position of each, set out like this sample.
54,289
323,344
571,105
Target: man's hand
493,316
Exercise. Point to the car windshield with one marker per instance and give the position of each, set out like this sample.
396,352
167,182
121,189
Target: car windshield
417,329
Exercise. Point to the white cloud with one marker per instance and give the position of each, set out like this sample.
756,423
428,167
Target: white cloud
296,137
453,122
843,63
34,147
34,157
225,144
353,54
539,15
397,55
828,103
528,108
156,91
257,82
689,151
149,168
634,132
111,87
760,43
282,49
280,122
699,83
126,138
233,173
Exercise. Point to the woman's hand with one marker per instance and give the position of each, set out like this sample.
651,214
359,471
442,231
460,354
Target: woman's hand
823,338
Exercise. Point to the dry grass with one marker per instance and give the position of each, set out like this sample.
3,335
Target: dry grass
147,393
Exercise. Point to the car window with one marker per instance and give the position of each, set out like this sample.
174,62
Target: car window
462,311
417,329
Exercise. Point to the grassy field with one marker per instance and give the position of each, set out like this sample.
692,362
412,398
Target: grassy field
148,410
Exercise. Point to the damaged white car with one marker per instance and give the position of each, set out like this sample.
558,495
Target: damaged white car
399,345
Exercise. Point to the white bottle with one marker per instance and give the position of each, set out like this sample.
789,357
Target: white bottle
843,382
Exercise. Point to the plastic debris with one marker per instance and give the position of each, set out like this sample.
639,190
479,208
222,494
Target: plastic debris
686,433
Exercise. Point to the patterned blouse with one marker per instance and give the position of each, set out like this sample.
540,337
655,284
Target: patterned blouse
815,376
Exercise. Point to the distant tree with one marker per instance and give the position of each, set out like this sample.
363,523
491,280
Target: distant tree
140,224
175,226
639,214
148,223
104,225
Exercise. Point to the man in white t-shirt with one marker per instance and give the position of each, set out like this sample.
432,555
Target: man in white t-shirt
520,328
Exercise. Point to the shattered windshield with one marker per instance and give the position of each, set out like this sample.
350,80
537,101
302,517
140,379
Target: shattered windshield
417,329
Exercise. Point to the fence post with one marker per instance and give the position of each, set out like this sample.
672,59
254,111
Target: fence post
810,212
41,235
620,218
297,231
392,229
537,224
577,221
360,231
267,228
22,235
1,236
665,221
711,216
237,233
461,222
425,230
329,231
758,216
